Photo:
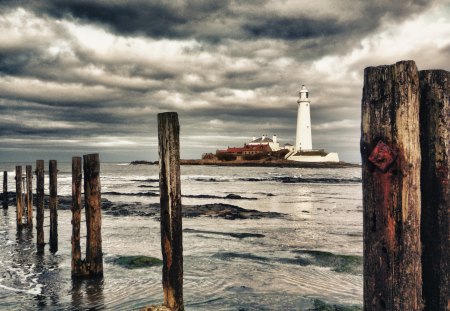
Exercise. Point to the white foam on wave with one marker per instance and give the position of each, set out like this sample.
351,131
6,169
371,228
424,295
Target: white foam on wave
37,290
207,177
23,275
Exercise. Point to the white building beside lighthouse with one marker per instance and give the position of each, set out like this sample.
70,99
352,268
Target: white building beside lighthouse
303,150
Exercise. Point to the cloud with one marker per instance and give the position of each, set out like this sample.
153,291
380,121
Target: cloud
336,125
96,73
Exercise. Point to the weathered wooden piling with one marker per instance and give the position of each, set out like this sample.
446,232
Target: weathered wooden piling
435,145
5,189
40,204
78,265
92,197
390,151
29,195
19,197
170,200
53,173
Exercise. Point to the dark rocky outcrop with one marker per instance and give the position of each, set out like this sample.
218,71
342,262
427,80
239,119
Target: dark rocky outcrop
136,262
238,235
219,210
230,196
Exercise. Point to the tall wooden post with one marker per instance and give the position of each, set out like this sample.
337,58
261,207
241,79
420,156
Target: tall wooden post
92,196
19,197
435,145
40,203
29,195
170,200
5,189
390,151
53,172
78,265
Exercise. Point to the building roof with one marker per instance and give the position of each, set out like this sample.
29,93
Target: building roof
235,149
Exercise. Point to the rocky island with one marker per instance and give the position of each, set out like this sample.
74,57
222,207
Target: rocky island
267,161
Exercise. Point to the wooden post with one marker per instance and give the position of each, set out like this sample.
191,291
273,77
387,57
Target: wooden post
78,265
92,197
19,197
435,145
53,172
40,203
170,200
29,195
5,189
390,151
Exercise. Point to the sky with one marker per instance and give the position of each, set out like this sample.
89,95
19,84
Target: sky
88,76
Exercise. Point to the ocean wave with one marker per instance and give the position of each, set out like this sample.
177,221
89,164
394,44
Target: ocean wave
138,194
37,290
320,180
147,180
230,196
281,179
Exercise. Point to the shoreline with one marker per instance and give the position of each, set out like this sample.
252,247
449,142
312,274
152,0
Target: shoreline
258,163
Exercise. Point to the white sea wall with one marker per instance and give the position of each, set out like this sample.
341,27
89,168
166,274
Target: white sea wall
330,157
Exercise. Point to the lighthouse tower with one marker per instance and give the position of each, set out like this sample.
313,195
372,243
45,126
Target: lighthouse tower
303,139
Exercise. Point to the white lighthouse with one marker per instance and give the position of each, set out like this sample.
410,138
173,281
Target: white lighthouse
303,151
303,139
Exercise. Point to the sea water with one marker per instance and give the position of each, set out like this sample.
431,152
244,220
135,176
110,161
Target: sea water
313,253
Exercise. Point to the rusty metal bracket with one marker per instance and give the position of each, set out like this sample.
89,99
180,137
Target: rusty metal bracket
382,156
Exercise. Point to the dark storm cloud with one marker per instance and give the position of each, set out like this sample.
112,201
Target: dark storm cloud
295,28
97,72
220,20
32,62
15,62
153,19
311,34
36,63
161,19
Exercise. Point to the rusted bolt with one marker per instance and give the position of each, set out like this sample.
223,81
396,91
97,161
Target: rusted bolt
382,156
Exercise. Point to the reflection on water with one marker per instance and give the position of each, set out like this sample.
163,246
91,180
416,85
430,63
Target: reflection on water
5,219
87,293
32,279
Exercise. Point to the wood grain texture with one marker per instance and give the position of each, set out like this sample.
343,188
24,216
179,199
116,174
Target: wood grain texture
19,197
435,145
79,268
53,205
170,200
5,189
391,198
92,197
29,195
40,204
